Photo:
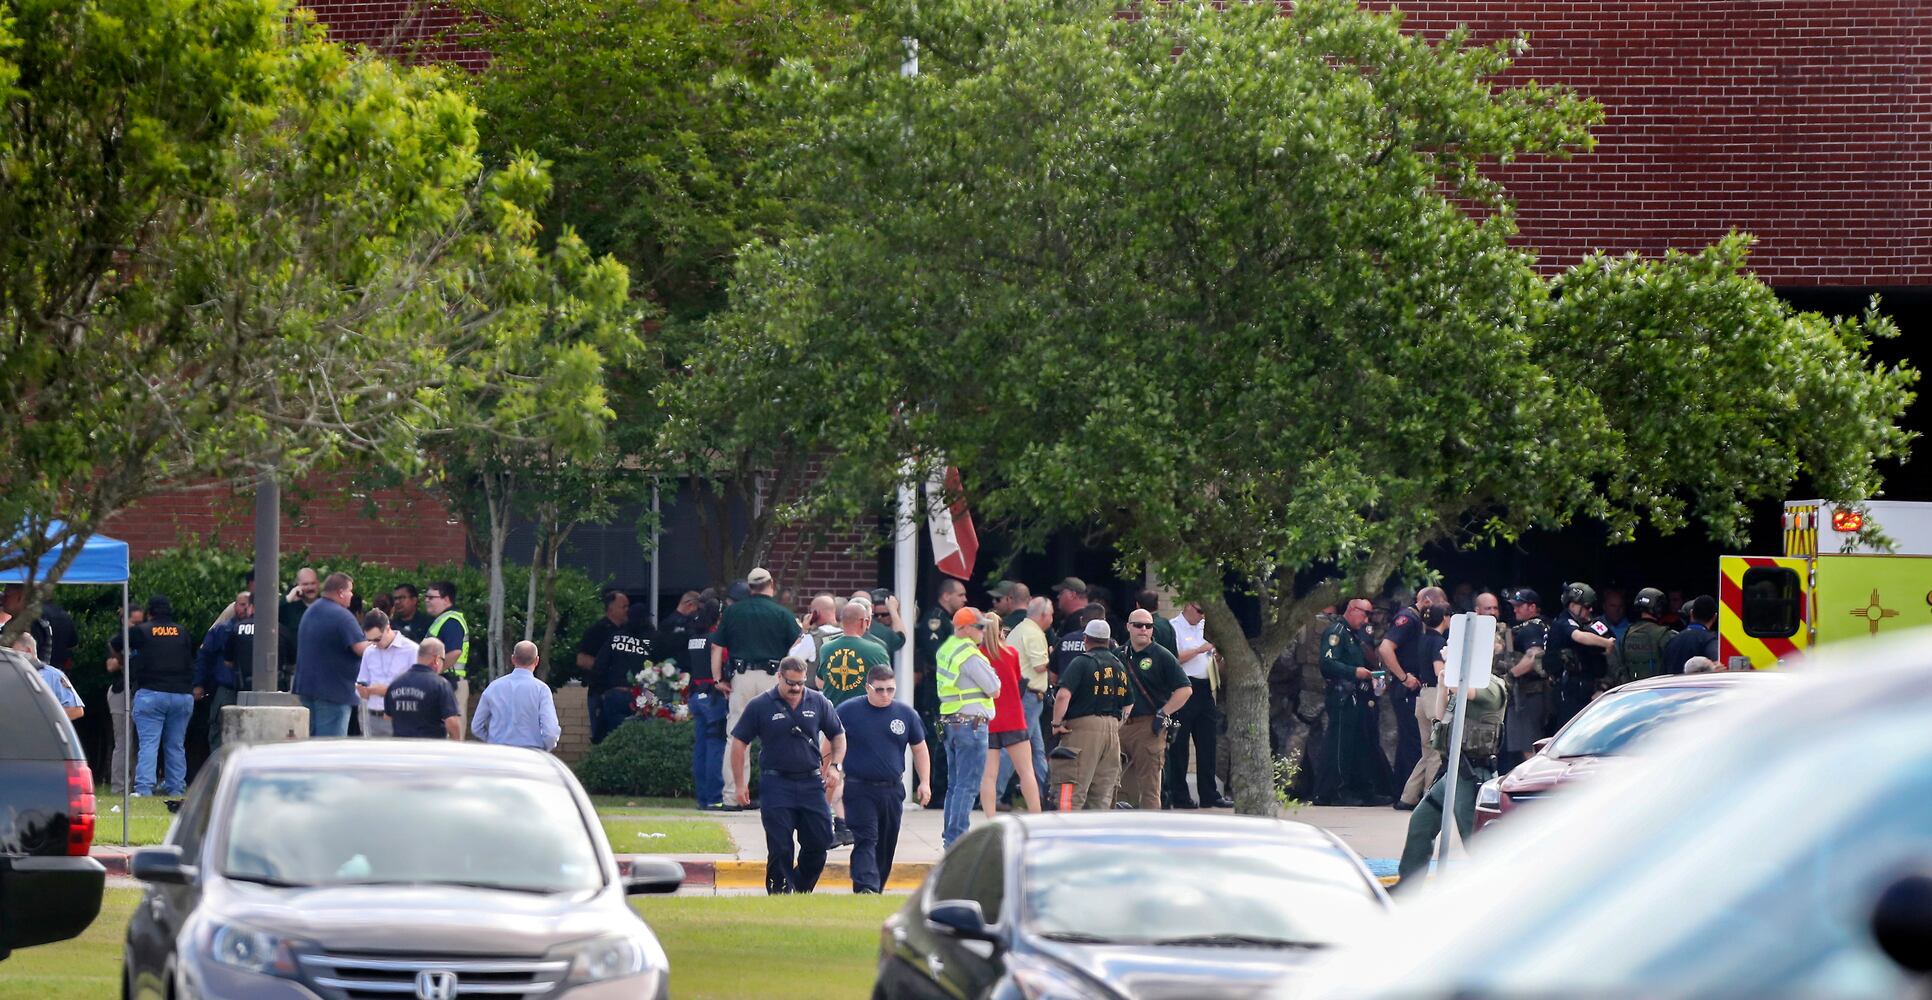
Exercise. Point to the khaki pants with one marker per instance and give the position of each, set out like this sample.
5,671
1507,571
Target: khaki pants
1428,708
462,704
744,687
374,725
1146,750
117,768
1097,737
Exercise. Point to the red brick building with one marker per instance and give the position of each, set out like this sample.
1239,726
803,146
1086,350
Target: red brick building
1805,122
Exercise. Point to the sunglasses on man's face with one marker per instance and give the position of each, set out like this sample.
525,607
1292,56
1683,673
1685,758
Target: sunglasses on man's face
793,684
886,689
1140,624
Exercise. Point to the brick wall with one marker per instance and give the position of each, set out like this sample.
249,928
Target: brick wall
328,516
1806,122
816,559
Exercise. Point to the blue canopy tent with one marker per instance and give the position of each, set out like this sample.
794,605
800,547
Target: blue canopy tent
100,561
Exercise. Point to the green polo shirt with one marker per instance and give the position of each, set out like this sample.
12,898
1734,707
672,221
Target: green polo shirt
1164,636
885,635
1158,671
757,628
843,664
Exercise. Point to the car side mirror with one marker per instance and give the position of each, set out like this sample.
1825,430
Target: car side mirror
1902,922
161,866
1537,747
653,876
960,918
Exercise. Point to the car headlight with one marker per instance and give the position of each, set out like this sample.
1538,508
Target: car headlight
613,956
1039,980
1490,795
251,949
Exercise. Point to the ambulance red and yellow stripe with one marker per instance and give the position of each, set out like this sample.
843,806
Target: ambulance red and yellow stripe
1764,652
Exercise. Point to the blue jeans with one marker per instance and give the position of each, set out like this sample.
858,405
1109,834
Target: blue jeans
161,723
614,709
708,711
1030,704
965,764
326,718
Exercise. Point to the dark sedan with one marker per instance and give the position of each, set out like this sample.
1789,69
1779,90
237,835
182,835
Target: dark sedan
1604,731
360,869
1106,906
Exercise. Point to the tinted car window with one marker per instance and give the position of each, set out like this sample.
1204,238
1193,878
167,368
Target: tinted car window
389,827
1141,890
1611,723
191,825
987,886
31,726
955,878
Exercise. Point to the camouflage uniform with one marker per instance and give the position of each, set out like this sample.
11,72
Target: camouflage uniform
1482,732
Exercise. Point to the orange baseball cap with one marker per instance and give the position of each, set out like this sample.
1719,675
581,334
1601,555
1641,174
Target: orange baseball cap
966,617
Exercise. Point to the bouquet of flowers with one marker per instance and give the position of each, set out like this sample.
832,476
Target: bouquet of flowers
658,692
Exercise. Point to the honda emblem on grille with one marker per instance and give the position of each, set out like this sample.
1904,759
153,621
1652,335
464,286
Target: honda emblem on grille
435,985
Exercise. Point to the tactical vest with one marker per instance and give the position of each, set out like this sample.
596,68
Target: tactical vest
1482,726
1642,650
462,658
953,654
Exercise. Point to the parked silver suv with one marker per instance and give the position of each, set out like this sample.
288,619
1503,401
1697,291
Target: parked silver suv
392,869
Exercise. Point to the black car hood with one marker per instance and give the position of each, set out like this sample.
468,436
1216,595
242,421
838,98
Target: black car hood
449,920
1146,972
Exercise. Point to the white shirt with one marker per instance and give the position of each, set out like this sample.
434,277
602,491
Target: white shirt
380,666
1187,637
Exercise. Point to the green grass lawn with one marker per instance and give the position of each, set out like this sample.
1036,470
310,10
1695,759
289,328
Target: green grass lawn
721,947
147,820
643,805
666,836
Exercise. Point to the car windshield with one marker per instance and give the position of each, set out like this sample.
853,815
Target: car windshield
1611,723
391,827
1165,890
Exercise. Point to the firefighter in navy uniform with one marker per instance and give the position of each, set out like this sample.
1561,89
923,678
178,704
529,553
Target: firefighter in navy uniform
787,721
1351,771
1579,647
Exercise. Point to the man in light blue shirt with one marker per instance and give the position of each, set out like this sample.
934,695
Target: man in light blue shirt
517,709
70,700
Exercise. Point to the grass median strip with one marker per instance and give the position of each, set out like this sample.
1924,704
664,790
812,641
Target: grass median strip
666,836
721,948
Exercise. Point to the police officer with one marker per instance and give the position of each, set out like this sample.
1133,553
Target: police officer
1639,653
1580,646
1158,688
757,631
1526,717
1482,728
626,649
224,664
1352,771
1086,715
787,721
1404,655
163,698
934,627
878,731
597,640
453,630
708,708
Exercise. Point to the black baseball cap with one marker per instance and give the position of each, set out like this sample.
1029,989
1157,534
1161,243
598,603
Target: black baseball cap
1524,595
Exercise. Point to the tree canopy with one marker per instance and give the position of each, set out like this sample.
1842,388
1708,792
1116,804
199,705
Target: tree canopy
1240,290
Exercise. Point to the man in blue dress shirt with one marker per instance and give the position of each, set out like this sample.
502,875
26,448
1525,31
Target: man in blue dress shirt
517,709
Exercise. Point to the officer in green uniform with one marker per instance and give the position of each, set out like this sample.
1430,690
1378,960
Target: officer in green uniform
1086,715
933,627
1347,774
1640,653
756,633
1482,731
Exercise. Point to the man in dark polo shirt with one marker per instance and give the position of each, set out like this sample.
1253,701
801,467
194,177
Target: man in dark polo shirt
328,658
1403,656
1158,688
611,652
787,721
406,614
420,704
758,632
878,730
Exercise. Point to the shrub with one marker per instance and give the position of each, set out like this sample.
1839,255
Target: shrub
646,757
200,581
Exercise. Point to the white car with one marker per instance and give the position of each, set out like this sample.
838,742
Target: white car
1778,847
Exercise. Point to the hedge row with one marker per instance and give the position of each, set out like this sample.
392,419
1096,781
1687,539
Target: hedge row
648,758
199,582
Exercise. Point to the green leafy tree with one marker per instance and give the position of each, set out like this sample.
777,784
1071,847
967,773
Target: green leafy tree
653,117
231,246
1233,289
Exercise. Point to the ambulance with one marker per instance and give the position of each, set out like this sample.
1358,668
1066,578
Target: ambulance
1829,585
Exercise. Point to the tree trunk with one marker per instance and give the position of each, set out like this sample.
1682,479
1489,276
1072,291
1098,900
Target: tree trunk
1244,685
536,560
497,492
550,613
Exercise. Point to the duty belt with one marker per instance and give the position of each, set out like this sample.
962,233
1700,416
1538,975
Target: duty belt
813,773
956,719
762,666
